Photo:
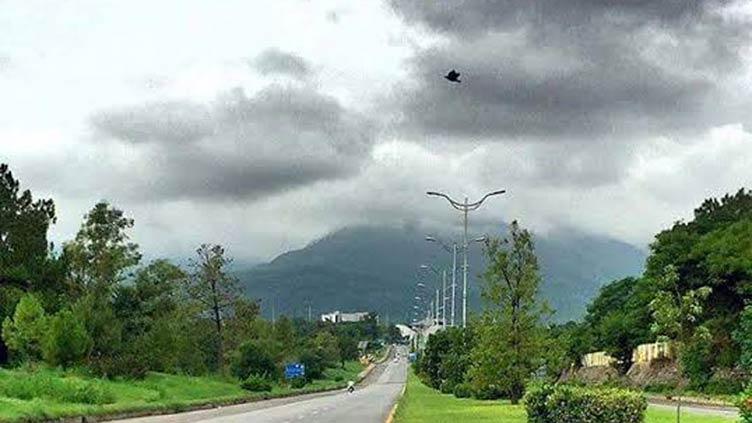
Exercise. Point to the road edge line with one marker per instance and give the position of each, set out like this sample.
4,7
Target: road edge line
390,417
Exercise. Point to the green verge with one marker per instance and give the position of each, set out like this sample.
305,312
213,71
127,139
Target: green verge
158,393
421,404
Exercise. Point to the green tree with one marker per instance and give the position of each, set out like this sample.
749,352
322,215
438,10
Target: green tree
565,345
348,347
9,298
619,319
677,316
24,222
100,255
743,336
243,323
285,335
105,331
66,341
327,347
25,260
148,309
254,358
510,334
24,333
216,290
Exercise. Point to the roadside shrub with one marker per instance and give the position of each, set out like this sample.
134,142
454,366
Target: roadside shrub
46,386
23,334
488,392
566,404
463,390
313,362
447,387
745,404
256,383
660,387
723,386
252,359
66,341
128,363
298,382
83,392
535,403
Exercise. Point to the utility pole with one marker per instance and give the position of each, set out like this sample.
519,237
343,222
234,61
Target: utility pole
464,207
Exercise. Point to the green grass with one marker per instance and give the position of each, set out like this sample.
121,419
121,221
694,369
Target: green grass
25,396
421,404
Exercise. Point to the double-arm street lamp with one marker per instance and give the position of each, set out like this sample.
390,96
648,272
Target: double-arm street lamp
465,207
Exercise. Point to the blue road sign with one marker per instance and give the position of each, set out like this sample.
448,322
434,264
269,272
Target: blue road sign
294,370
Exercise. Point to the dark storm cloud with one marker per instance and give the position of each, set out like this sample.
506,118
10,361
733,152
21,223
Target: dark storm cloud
174,122
569,70
247,146
275,61
477,17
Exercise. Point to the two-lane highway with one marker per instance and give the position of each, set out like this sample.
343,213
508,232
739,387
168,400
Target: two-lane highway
368,404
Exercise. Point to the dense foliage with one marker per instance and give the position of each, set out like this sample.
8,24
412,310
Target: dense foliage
745,405
97,308
567,404
695,292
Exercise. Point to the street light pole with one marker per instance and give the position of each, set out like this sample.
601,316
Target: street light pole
443,299
454,277
438,314
453,251
464,207
464,267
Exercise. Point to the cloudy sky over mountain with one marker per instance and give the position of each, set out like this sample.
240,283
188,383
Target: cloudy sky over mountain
265,125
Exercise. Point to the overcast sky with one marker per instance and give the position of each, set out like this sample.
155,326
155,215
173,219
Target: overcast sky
264,125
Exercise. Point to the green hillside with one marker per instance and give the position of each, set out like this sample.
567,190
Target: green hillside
375,268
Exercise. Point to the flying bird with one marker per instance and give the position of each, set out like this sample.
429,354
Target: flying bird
453,76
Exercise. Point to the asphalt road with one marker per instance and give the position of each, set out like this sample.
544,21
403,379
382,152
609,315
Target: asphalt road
688,409
368,404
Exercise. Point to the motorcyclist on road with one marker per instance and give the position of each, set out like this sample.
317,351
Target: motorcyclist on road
350,387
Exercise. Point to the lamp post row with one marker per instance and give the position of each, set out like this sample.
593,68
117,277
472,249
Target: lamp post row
464,207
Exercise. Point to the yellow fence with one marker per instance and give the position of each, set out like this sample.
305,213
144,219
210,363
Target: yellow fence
599,358
646,353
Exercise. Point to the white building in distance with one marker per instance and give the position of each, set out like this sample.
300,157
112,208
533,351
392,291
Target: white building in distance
340,317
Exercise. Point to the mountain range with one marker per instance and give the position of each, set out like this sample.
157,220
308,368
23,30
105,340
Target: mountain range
370,268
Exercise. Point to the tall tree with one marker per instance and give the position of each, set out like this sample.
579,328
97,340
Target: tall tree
213,288
510,334
101,254
23,232
677,316
25,260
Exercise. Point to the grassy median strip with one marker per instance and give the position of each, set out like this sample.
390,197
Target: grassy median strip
49,394
421,404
